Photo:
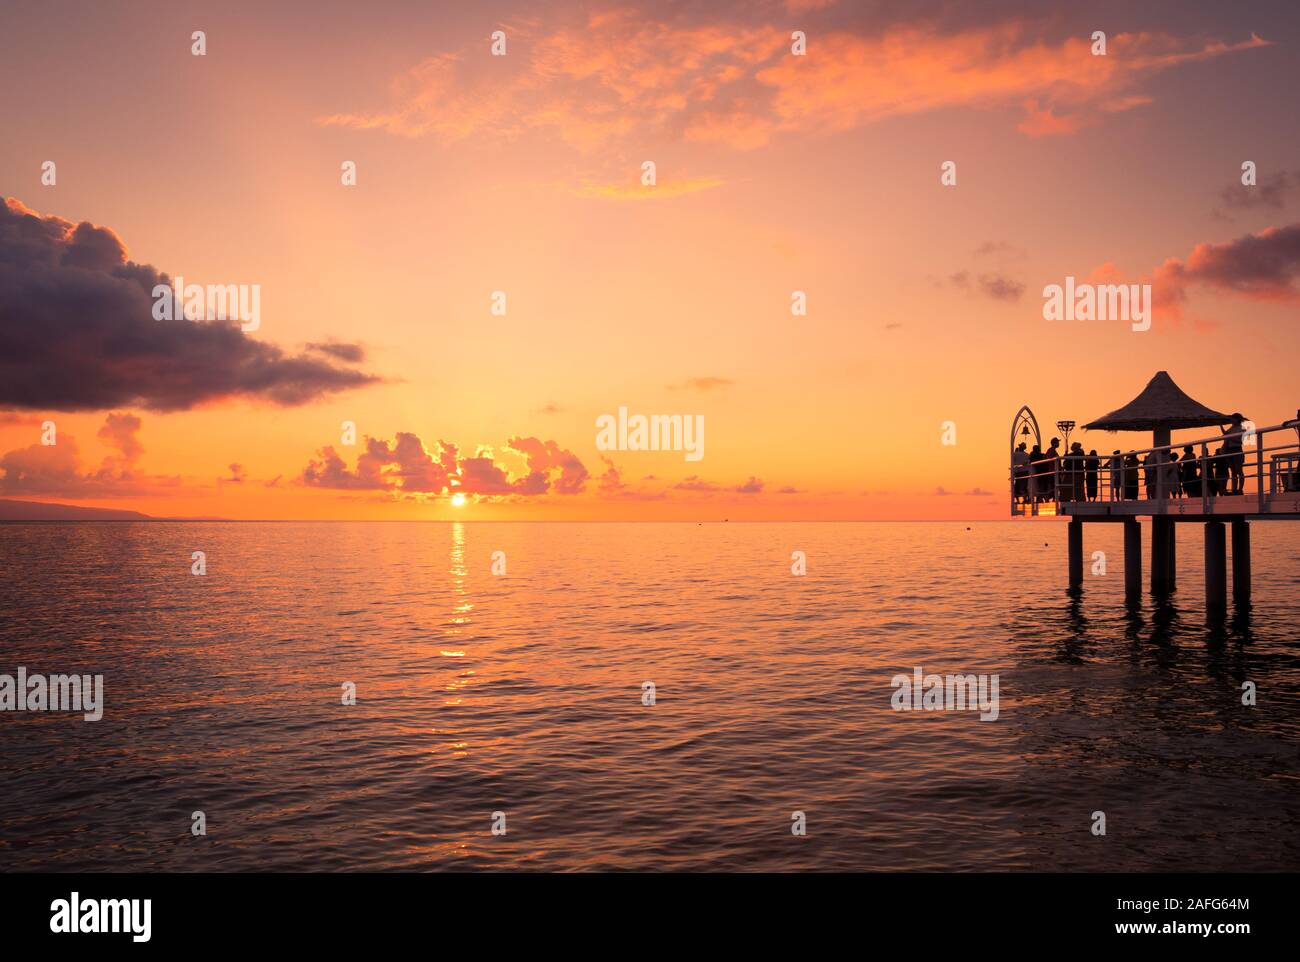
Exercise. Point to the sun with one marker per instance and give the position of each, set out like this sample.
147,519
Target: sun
458,500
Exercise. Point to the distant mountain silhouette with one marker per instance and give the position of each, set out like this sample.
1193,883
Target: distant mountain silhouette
40,511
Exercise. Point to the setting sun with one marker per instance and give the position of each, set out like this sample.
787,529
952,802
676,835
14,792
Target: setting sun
458,500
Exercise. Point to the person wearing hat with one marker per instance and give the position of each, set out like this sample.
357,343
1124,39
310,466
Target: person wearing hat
1234,457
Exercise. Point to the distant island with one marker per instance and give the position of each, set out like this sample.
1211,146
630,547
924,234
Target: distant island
41,511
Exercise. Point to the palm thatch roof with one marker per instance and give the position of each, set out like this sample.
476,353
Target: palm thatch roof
1162,404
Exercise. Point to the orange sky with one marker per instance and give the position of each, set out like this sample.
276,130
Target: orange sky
776,173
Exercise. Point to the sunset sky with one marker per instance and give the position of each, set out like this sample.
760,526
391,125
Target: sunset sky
522,173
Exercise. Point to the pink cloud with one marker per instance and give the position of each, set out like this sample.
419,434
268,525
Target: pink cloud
626,74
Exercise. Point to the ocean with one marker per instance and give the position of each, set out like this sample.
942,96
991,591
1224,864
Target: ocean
518,701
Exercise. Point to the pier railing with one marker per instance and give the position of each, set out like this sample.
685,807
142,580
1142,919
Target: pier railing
1264,471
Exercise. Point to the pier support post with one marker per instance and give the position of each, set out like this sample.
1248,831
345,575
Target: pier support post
1240,562
1076,552
1132,560
1171,558
1216,568
1162,547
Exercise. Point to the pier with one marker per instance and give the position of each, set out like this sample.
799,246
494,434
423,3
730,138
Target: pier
1242,475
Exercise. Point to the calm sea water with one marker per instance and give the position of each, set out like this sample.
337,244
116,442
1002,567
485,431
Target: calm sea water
523,694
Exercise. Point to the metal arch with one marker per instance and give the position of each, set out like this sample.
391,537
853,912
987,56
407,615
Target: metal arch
1025,415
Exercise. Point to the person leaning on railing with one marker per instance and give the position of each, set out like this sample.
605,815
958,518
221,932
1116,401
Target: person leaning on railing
1235,457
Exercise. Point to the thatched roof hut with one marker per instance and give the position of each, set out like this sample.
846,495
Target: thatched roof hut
1161,407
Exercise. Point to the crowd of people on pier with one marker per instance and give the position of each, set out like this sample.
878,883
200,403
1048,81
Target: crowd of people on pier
1081,476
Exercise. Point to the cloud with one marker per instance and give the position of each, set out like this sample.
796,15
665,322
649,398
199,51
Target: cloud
550,408
991,247
57,469
611,482
629,75
77,332
406,467
1001,288
119,431
341,350
856,80
1263,266
1042,122
1272,191
547,457
695,483
996,286
702,384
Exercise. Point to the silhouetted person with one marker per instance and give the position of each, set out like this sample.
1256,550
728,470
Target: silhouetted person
1116,476
1219,473
1072,474
1131,476
1091,465
1020,470
1169,473
1189,473
1235,458
1149,474
1053,456
1037,465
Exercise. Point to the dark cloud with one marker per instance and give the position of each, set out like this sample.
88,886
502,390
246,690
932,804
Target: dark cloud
1001,288
77,332
1264,266
341,350
996,286
1272,191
